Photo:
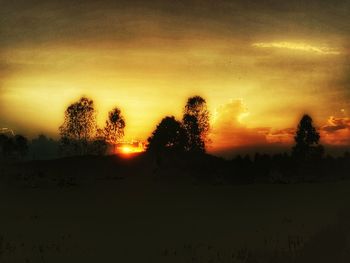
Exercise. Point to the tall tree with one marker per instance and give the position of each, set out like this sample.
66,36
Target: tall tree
196,123
168,136
195,142
307,140
79,126
114,128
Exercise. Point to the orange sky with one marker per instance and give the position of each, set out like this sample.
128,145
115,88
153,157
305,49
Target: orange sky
260,66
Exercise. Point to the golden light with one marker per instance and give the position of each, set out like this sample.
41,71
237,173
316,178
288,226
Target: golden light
126,150
130,148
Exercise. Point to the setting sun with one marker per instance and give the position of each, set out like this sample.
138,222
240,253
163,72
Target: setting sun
127,148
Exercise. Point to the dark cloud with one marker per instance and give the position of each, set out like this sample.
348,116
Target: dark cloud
6,69
335,124
44,21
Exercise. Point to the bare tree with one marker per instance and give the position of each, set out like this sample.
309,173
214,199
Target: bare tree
114,128
196,123
79,126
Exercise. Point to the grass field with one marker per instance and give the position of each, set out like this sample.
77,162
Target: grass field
143,218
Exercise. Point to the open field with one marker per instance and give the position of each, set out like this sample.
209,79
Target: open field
145,218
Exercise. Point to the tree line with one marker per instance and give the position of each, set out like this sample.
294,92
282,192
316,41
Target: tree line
178,145
80,134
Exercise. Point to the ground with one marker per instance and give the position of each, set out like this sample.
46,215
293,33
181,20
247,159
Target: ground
147,218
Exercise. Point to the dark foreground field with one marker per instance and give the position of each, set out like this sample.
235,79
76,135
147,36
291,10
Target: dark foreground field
112,213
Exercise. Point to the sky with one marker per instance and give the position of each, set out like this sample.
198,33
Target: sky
259,64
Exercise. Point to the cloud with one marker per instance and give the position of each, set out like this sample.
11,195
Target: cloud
281,136
298,46
336,131
335,124
230,114
136,50
228,131
41,21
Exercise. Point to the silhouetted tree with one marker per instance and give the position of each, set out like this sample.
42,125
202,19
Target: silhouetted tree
13,147
167,139
3,139
43,147
6,145
196,123
168,136
195,141
21,145
307,141
79,126
262,165
114,129
98,146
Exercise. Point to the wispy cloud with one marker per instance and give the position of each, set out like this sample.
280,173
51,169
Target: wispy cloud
298,46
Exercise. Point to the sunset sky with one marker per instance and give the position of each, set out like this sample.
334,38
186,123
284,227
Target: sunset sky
259,64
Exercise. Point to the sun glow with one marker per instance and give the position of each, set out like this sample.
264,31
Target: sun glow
126,149
130,148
